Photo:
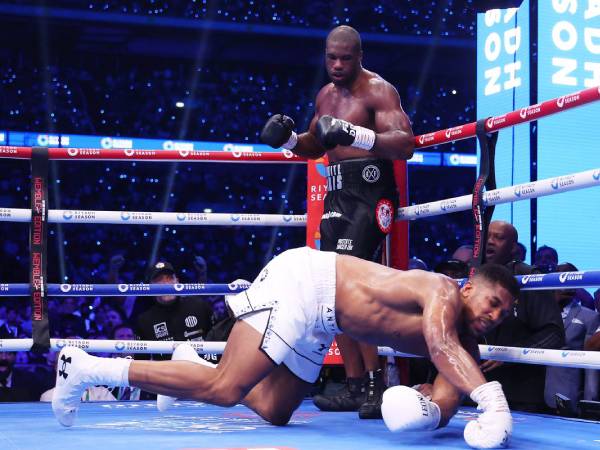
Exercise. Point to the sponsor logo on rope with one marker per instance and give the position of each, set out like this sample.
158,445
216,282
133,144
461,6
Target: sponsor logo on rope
562,182
5,212
238,150
492,196
4,287
530,111
178,287
454,131
495,349
571,276
422,209
140,152
192,217
426,138
60,343
287,153
533,351
131,345
533,278
246,218
79,215
448,205
384,213
119,346
287,219
566,99
241,284
574,354
65,287
123,287
126,215
524,189
83,151
371,173
495,121
596,174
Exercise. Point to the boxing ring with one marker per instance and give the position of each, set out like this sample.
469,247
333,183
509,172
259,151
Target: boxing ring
200,426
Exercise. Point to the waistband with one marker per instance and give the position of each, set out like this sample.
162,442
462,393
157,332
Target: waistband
363,172
324,279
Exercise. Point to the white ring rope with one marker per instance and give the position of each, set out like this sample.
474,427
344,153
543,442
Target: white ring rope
155,218
539,356
534,189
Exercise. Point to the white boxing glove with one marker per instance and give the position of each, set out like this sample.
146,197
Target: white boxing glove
404,409
493,427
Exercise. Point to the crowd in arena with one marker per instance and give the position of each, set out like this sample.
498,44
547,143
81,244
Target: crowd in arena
409,17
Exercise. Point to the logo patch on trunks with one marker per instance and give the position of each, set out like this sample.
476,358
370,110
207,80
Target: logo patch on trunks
384,212
371,173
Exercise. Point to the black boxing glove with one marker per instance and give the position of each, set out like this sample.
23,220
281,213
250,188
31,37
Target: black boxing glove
333,132
279,132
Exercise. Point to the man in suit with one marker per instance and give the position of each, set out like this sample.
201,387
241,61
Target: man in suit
580,324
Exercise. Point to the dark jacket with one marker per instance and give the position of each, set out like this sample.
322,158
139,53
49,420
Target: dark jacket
535,323
186,319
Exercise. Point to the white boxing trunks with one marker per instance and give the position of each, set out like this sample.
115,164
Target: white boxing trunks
292,303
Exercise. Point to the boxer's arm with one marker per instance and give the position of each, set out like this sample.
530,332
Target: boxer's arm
444,393
440,317
394,137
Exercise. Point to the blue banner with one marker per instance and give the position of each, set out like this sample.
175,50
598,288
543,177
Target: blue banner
569,61
503,86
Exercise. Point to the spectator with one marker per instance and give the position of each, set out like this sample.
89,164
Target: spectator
16,385
546,259
520,252
463,253
580,324
172,317
453,268
536,323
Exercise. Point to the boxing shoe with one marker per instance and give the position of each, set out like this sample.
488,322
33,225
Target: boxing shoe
371,408
75,371
349,398
183,352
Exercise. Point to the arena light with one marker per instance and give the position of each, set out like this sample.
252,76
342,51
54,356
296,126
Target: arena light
179,104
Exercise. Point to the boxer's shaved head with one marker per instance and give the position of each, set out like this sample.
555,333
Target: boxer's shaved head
343,55
347,35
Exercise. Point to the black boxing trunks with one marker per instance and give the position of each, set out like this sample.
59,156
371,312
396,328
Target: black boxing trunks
360,206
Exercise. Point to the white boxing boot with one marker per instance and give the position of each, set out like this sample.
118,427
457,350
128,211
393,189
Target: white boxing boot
75,371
